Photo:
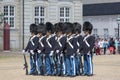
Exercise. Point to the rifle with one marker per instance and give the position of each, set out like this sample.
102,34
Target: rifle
81,64
25,65
43,64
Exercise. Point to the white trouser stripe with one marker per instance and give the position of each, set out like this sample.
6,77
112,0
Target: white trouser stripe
74,65
90,64
63,68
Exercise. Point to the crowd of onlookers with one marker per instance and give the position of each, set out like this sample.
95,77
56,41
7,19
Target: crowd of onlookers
107,46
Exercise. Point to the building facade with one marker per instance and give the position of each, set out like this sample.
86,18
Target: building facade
103,16
18,15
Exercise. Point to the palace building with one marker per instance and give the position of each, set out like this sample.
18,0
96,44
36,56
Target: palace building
19,14
103,15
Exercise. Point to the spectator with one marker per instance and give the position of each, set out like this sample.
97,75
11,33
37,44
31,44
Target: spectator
105,45
116,44
112,46
100,43
97,48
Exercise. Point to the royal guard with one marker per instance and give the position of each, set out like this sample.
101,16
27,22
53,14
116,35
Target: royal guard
41,47
49,49
70,50
32,49
59,47
88,45
78,55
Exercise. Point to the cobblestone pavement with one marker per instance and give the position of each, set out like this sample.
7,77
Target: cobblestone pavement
106,67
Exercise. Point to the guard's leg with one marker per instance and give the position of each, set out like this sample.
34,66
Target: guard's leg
68,68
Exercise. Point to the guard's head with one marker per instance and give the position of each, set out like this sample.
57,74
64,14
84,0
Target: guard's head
69,27
87,27
77,28
41,29
49,28
33,29
59,28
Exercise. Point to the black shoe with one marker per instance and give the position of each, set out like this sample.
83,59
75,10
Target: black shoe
72,76
89,75
46,74
84,75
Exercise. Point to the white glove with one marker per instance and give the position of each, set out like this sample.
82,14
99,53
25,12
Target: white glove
57,51
43,55
23,52
88,53
72,56
78,51
61,54
51,53
31,51
39,51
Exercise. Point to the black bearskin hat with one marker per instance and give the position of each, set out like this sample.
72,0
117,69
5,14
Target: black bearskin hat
69,27
87,26
41,28
49,27
77,27
33,29
59,27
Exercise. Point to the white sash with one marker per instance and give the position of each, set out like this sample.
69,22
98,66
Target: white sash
32,39
41,41
58,40
68,40
48,41
86,40
77,41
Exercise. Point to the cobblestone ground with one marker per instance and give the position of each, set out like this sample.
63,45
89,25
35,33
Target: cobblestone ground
106,67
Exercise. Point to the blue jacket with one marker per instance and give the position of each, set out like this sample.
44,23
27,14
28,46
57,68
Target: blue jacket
41,45
49,44
60,43
32,44
79,41
71,45
88,44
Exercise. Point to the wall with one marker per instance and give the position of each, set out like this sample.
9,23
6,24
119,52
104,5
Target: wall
101,22
98,1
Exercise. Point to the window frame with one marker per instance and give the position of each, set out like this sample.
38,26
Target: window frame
9,15
106,32
40,15
65,18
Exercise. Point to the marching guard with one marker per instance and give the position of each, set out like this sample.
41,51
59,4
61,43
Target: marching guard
70,50
78,55
32,49
49,49
88,45
41,54
58,49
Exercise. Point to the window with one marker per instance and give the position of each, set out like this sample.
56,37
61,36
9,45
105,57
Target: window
39,15
95,32
106,33
116,32
64,14
9,15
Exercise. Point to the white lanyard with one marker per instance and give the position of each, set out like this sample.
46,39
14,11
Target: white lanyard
68,40
58,40
48,41
32,39
86,40
41,41
77,41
